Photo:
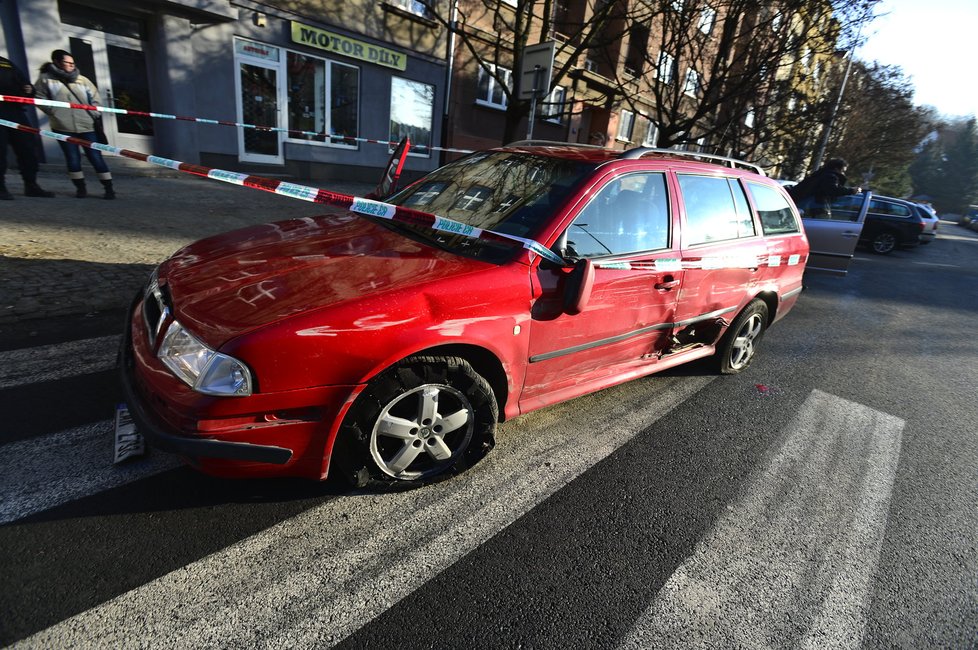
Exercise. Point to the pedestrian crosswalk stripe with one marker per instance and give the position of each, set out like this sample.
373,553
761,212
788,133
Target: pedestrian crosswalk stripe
795,557
43,472
318,577
57,361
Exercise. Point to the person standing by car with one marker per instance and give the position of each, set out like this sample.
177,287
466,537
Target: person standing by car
814,195
15,83
60,81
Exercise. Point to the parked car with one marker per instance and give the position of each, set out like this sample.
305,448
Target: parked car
890,223
387,351
929,215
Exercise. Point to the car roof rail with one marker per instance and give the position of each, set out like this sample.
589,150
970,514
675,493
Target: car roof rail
551,143
639,152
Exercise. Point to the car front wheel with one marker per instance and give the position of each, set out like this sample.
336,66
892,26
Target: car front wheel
739,344
424,417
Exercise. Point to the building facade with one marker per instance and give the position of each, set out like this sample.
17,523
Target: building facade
321,74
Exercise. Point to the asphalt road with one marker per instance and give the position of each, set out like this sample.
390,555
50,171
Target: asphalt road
824,497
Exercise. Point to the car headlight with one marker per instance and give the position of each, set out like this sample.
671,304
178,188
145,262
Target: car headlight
206,371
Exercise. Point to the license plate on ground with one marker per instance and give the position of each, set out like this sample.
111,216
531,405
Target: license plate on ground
129,443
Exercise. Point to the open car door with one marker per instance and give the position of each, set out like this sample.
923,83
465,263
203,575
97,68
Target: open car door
832,236
388,184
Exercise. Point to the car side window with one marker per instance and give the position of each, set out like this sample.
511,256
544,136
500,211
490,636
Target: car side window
711,210
891,209
629,214
745,226
773,209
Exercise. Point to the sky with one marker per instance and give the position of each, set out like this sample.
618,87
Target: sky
934,42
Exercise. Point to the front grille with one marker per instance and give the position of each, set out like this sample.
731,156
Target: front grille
156,310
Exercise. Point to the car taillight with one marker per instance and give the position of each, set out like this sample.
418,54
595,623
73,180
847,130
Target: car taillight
923,226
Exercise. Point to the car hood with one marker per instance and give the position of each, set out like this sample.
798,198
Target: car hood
227,285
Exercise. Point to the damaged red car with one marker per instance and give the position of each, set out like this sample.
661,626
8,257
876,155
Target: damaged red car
388,351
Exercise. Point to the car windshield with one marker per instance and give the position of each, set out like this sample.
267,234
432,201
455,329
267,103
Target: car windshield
507,192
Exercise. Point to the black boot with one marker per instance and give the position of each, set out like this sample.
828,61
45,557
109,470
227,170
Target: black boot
109,192
81,191
31,188
4,194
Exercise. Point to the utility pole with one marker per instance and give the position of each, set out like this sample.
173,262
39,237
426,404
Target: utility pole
820,154
835,109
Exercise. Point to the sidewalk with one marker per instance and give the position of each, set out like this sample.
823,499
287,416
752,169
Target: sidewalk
68,256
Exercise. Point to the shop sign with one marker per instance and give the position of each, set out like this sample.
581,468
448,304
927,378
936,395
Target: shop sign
331,42
255,50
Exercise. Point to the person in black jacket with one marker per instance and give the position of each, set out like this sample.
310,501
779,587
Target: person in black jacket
814,195
14,82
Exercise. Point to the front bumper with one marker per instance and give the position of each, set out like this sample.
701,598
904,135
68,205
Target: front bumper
287,433
164,440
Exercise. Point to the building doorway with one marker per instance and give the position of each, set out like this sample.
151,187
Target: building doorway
117,65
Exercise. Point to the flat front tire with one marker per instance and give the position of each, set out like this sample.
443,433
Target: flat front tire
739,344
424,417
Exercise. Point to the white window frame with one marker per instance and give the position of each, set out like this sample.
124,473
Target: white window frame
749,118
667,64
651,138
278,66
410,6
552,108
708,18
691,86
625,134
327,101
506,73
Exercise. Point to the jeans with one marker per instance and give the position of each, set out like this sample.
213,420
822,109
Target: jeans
73,153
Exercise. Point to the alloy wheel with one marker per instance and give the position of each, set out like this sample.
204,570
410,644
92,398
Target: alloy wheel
421,431
742,349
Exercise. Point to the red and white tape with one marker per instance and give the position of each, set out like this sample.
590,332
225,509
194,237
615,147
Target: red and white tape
355,204
293,133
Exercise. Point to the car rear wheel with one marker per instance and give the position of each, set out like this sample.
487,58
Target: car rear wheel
425,417
884,242
739,344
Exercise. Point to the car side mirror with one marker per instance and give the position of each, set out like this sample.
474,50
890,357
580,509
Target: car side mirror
577,288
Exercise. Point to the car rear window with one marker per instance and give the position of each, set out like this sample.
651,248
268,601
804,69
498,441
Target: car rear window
773,209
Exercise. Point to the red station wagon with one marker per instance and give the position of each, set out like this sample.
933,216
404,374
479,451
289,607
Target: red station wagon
388,351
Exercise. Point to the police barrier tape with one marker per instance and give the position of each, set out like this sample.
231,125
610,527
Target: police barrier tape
674,264
359,205
200,120
392,212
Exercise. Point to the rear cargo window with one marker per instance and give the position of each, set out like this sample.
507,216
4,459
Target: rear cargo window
773,209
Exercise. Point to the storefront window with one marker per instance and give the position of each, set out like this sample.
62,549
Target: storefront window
344,94
412,109
314,84
307,85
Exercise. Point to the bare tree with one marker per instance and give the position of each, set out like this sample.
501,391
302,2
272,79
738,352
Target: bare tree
699,69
